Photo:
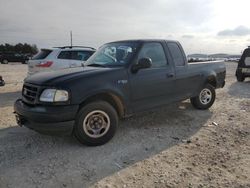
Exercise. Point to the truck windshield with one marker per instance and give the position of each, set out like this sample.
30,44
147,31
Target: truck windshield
113,54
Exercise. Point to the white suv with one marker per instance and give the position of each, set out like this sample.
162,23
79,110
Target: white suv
59,58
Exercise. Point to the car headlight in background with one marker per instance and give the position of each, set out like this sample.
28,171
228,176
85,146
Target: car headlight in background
54,95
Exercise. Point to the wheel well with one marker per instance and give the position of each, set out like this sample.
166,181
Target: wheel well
112,99
212,81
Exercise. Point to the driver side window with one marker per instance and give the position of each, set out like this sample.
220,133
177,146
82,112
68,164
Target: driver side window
155,52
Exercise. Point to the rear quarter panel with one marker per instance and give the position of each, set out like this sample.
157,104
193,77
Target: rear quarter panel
210,70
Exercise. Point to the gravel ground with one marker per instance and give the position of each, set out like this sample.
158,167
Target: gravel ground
175,146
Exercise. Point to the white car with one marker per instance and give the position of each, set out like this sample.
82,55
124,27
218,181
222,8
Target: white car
59,58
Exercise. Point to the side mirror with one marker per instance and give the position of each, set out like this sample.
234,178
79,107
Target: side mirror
143,63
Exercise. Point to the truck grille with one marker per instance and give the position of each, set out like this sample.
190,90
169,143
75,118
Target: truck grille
29,93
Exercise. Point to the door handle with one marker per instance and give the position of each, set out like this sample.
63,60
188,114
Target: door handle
170,75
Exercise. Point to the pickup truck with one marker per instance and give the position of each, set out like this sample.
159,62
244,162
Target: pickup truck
121,79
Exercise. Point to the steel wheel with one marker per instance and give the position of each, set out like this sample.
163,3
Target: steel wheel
96,124
205,96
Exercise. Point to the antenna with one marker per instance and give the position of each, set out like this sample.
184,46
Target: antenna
71,38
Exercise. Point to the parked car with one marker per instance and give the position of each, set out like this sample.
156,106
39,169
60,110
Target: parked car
243,69
121,79
59,58
6,57
2,83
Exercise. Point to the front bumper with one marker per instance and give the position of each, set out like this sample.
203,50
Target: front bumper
46,119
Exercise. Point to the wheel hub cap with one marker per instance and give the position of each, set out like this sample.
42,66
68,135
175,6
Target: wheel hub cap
205,96
96,124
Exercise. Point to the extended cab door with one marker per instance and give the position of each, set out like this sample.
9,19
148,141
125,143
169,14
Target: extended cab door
187,81
152,86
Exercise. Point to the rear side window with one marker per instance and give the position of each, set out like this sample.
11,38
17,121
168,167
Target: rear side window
246,55
247,61
176,54
42,54
75,55
81,55
64,55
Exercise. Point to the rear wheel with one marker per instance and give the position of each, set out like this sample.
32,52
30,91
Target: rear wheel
205,99
96,123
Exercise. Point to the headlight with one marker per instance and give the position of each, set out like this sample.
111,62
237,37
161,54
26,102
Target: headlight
54,95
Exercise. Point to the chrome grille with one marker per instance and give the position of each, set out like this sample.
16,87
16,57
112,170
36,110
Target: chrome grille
29,93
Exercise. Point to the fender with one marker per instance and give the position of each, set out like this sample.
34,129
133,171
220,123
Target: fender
211,78
120,101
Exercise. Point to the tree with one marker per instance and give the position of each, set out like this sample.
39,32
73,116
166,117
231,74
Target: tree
19,48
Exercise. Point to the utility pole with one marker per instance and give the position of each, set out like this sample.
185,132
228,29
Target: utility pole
71,39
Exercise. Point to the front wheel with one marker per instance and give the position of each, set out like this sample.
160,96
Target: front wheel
205,99
240,78
96,123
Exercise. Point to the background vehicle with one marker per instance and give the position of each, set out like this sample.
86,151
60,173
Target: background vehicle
120,79
6,57
2,83
59,58
243,69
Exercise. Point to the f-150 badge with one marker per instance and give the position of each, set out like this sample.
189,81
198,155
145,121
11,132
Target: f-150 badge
122,81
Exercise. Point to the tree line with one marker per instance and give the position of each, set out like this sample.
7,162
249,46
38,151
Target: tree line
21,48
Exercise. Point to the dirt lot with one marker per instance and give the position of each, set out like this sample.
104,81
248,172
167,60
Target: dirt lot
175,146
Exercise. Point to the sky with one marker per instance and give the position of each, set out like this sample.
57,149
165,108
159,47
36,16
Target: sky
202,26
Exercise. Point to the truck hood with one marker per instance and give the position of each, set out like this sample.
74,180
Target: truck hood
50,78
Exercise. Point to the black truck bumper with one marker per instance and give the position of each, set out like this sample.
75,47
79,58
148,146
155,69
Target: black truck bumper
46,119
245,71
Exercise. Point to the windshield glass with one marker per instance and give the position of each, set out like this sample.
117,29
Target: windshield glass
113,54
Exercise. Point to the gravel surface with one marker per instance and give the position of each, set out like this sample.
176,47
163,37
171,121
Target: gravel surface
174,146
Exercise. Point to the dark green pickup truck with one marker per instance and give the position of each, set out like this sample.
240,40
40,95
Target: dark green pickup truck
121,79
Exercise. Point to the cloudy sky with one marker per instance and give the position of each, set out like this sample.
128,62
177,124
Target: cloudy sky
202,26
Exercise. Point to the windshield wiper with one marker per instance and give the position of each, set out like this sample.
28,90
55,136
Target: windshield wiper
96,65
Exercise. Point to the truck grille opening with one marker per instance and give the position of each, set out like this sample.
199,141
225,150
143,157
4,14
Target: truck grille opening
29,93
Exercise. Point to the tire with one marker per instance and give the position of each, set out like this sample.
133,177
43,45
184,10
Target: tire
96,123
5,61
205,99
240,78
